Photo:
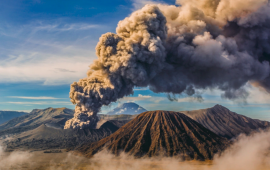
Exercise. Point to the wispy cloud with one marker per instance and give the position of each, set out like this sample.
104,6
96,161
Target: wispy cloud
137,4
144,96
141,89
35,98
63,27
27,111
141,97
40,103
53,52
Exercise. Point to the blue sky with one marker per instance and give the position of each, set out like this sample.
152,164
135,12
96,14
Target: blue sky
46,45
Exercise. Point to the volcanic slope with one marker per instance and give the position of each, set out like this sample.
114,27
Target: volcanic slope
55,117
225,123
156,133
48,137
40,116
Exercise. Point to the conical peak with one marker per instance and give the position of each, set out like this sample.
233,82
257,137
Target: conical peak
161,114
217,106
152,132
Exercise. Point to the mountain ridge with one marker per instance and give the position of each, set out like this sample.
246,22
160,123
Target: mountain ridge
46,137
37,117
224,122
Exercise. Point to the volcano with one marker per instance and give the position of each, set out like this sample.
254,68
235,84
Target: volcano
163,133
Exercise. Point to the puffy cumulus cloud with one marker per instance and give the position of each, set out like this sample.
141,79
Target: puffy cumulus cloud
202,44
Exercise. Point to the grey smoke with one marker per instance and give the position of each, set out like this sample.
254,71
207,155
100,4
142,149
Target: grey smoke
202,44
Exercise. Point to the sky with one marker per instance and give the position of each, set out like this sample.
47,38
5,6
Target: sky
46,45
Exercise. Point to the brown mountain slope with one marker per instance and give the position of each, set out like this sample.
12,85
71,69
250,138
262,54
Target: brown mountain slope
225,123
161,132
38,117
49,137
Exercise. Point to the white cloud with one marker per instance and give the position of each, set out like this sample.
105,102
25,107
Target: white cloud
27,111
34,98
64,27
40,103
45,70
257,95
144,96
55,54
141,89
138,4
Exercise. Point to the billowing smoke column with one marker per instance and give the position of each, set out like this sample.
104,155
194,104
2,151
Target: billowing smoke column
132,57
200,44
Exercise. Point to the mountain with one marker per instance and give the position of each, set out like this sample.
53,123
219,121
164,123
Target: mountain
43,129
49,137
51,116
127,109
225,123
8,115
161,132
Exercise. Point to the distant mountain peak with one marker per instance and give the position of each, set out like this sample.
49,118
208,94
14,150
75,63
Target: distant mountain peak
218,106
127,108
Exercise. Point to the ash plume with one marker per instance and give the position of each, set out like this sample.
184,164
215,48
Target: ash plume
200,44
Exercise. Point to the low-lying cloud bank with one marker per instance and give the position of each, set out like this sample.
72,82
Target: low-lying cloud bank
13,160
247,153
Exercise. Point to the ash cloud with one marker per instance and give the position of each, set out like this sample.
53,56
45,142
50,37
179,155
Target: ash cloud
200,44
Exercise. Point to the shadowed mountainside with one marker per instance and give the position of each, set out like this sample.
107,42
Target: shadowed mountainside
225,123
40,116
47,137
161,132
43,129
52,117
8,115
